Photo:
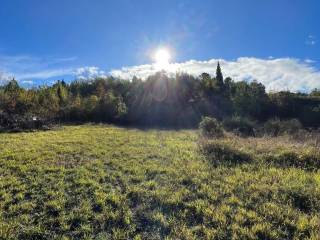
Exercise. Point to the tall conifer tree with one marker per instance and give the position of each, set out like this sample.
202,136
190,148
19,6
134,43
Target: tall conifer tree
219,77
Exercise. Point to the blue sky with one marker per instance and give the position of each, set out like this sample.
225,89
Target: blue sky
44,40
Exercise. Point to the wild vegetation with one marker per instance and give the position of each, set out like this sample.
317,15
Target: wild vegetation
105,182
160,100
251,171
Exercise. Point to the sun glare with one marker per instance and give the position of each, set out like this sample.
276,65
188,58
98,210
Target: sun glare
162,57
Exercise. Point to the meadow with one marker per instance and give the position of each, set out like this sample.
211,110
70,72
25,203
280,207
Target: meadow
106,182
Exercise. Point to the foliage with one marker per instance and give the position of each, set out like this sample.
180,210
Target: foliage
250,100
305,108
315,93
210,127
160,100
239,125
219,78
16,123
275,127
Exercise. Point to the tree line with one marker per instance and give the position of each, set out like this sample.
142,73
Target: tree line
160,100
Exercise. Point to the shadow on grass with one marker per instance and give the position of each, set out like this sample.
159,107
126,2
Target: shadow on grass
218,153
287,159
221,154
141,127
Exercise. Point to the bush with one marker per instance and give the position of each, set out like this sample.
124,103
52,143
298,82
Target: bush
17,123
276,127
210,127
218,153
308,161
239,125
311,137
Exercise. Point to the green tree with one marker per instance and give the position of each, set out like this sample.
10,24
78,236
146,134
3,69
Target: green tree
315,92
111,107
12,91
219,78
12,87
206,83
62,93
250,99
100,88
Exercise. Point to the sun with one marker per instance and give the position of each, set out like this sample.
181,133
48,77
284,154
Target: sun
162,57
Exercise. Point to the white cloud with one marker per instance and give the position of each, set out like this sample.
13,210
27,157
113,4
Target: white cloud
29,82
4,77
276,73
45,74
89,73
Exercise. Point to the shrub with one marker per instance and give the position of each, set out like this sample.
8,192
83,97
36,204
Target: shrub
218,153
239,125
17,123
210,127
276,127
308,161
311,137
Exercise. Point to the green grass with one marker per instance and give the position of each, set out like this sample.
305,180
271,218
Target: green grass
104,182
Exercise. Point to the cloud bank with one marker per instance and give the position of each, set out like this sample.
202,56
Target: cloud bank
85,73
276,74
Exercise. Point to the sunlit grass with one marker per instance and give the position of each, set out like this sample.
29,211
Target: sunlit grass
105,182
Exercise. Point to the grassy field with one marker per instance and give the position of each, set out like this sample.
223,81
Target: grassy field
105,182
